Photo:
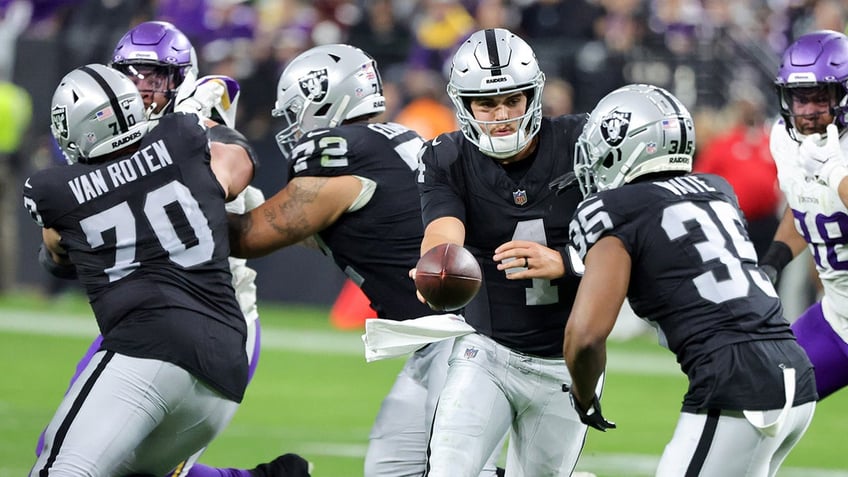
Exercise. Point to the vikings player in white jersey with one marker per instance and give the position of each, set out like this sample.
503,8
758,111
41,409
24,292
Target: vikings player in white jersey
808,147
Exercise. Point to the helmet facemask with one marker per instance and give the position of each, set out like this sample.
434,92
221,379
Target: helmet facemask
291,115
815,60
158,58
501,147
834,95
495,62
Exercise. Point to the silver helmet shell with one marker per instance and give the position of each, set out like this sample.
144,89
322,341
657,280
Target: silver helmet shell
495,62
635,130
323,87
96,110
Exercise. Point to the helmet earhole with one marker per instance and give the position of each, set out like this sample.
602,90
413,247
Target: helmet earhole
609,159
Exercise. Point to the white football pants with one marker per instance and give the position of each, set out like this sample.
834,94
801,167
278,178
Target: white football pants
712,445
491,389
398,439
250,347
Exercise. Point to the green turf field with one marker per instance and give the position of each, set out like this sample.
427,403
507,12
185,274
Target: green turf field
314,394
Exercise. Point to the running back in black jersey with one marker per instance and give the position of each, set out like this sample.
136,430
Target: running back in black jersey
148,236
694,272
498,205
378,244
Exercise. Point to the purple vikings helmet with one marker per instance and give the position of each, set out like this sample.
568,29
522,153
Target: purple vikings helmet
160,46
815,60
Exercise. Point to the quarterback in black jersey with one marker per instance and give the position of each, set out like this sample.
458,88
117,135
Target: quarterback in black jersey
676,245
140,215
486,187
352,193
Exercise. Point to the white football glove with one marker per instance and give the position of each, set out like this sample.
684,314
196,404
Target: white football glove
205,96
824,160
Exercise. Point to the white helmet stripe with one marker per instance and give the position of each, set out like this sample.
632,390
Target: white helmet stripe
681,148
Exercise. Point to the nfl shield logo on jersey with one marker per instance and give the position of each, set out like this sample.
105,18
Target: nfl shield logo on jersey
314,85
614,127
519,197
59,120
470,353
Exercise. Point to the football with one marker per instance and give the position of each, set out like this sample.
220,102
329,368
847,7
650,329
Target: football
448,276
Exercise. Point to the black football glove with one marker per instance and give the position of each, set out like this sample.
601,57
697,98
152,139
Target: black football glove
592,417
563,183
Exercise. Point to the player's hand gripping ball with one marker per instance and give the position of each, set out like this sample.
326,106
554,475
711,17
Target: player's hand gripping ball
448,276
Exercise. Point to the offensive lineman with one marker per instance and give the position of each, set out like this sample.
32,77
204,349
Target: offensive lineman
162,63
141,219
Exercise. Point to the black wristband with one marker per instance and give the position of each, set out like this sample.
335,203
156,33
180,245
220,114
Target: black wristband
778,255
227,135
573,266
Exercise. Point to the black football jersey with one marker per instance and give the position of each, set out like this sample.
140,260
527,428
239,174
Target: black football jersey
457,180
695,277
378,244
148,235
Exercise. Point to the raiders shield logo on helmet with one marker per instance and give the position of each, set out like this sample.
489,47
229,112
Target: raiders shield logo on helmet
59,119
614,127
314,85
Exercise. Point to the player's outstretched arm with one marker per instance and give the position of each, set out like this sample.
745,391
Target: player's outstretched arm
305,206
443,230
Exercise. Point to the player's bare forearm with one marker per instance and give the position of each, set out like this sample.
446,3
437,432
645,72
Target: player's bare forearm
52,240
599,297
279,222
443,230
586,364
301,209
788,234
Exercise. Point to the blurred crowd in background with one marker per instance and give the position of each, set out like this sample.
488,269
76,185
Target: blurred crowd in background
718,56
